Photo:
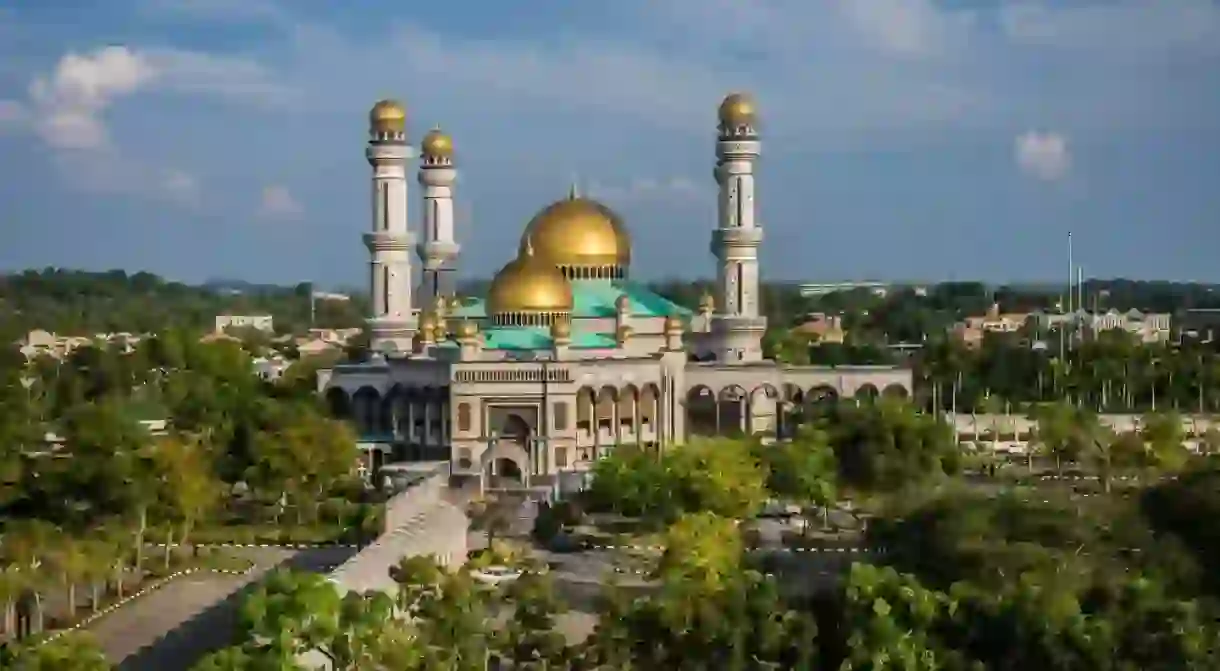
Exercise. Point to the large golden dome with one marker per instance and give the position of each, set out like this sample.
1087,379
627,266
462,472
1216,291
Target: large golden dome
737,109
582,237
388,115
529,291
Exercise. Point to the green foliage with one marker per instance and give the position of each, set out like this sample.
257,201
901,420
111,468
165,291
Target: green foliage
888,445
70,652
83,303
715,475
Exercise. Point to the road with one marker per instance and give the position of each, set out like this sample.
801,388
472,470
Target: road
174,626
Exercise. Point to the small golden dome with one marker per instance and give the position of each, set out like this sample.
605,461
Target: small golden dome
467,329
440,331
436,143
737,109
455,304
579,232
673,323
388,115
623,333
440,306
427,328
529,284
561,329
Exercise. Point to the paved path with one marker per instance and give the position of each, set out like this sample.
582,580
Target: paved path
174,626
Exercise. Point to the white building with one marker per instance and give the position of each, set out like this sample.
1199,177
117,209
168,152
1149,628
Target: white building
260,322
565,357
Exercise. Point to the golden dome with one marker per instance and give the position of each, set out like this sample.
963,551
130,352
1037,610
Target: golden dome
427,328
623,333
467,329
440,331
437,143
529,284
579,232
736,109
561,329
673,323
389,115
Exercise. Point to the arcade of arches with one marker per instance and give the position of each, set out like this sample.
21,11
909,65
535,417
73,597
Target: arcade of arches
417,421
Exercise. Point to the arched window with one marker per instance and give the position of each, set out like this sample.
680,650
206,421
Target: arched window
560,415
463,417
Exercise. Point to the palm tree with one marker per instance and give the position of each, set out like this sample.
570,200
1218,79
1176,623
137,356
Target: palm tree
71,561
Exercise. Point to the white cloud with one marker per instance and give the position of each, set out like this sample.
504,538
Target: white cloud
1044,155
68,107
71,100
279,203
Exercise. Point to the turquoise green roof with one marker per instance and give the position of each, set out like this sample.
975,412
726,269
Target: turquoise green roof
536,338
595,298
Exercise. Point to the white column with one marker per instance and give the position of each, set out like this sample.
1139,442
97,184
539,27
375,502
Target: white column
438,249
392,322
737,325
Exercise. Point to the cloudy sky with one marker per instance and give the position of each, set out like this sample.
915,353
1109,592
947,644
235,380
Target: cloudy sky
903,139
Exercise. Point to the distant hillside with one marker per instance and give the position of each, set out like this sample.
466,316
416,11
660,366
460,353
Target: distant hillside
82,303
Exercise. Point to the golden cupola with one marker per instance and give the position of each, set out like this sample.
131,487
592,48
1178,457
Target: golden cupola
737,112
583,238
436,147
529,291
388,118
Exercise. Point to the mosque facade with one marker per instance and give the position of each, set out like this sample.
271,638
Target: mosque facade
565,357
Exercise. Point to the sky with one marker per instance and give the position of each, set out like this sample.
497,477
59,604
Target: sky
919,140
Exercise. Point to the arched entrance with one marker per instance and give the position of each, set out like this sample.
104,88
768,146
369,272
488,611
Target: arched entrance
506,462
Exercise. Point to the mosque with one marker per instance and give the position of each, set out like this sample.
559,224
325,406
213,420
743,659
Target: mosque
565,357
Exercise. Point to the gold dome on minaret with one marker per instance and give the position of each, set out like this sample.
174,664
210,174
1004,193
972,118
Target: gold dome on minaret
529,285
437,143
737,108
388,115
581,236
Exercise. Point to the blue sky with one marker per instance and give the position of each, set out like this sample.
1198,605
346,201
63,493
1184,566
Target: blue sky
904,139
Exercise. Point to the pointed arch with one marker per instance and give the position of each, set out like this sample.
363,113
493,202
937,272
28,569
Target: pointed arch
701,411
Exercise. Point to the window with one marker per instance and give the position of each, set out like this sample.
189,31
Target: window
560,415
385,207
561,457
464,461
463,417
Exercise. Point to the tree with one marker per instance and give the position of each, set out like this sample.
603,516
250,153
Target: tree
803,470
1166,441
189,488
529,639
75,651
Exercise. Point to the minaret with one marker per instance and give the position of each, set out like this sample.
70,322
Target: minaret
393,319
438,251
737,326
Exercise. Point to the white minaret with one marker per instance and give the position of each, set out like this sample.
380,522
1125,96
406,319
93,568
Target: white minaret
438,251
737,326
392,323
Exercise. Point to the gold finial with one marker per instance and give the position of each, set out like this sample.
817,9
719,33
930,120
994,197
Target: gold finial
440,332
467,329
573,190
440,306
427,329
561,330
673,323
529,245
